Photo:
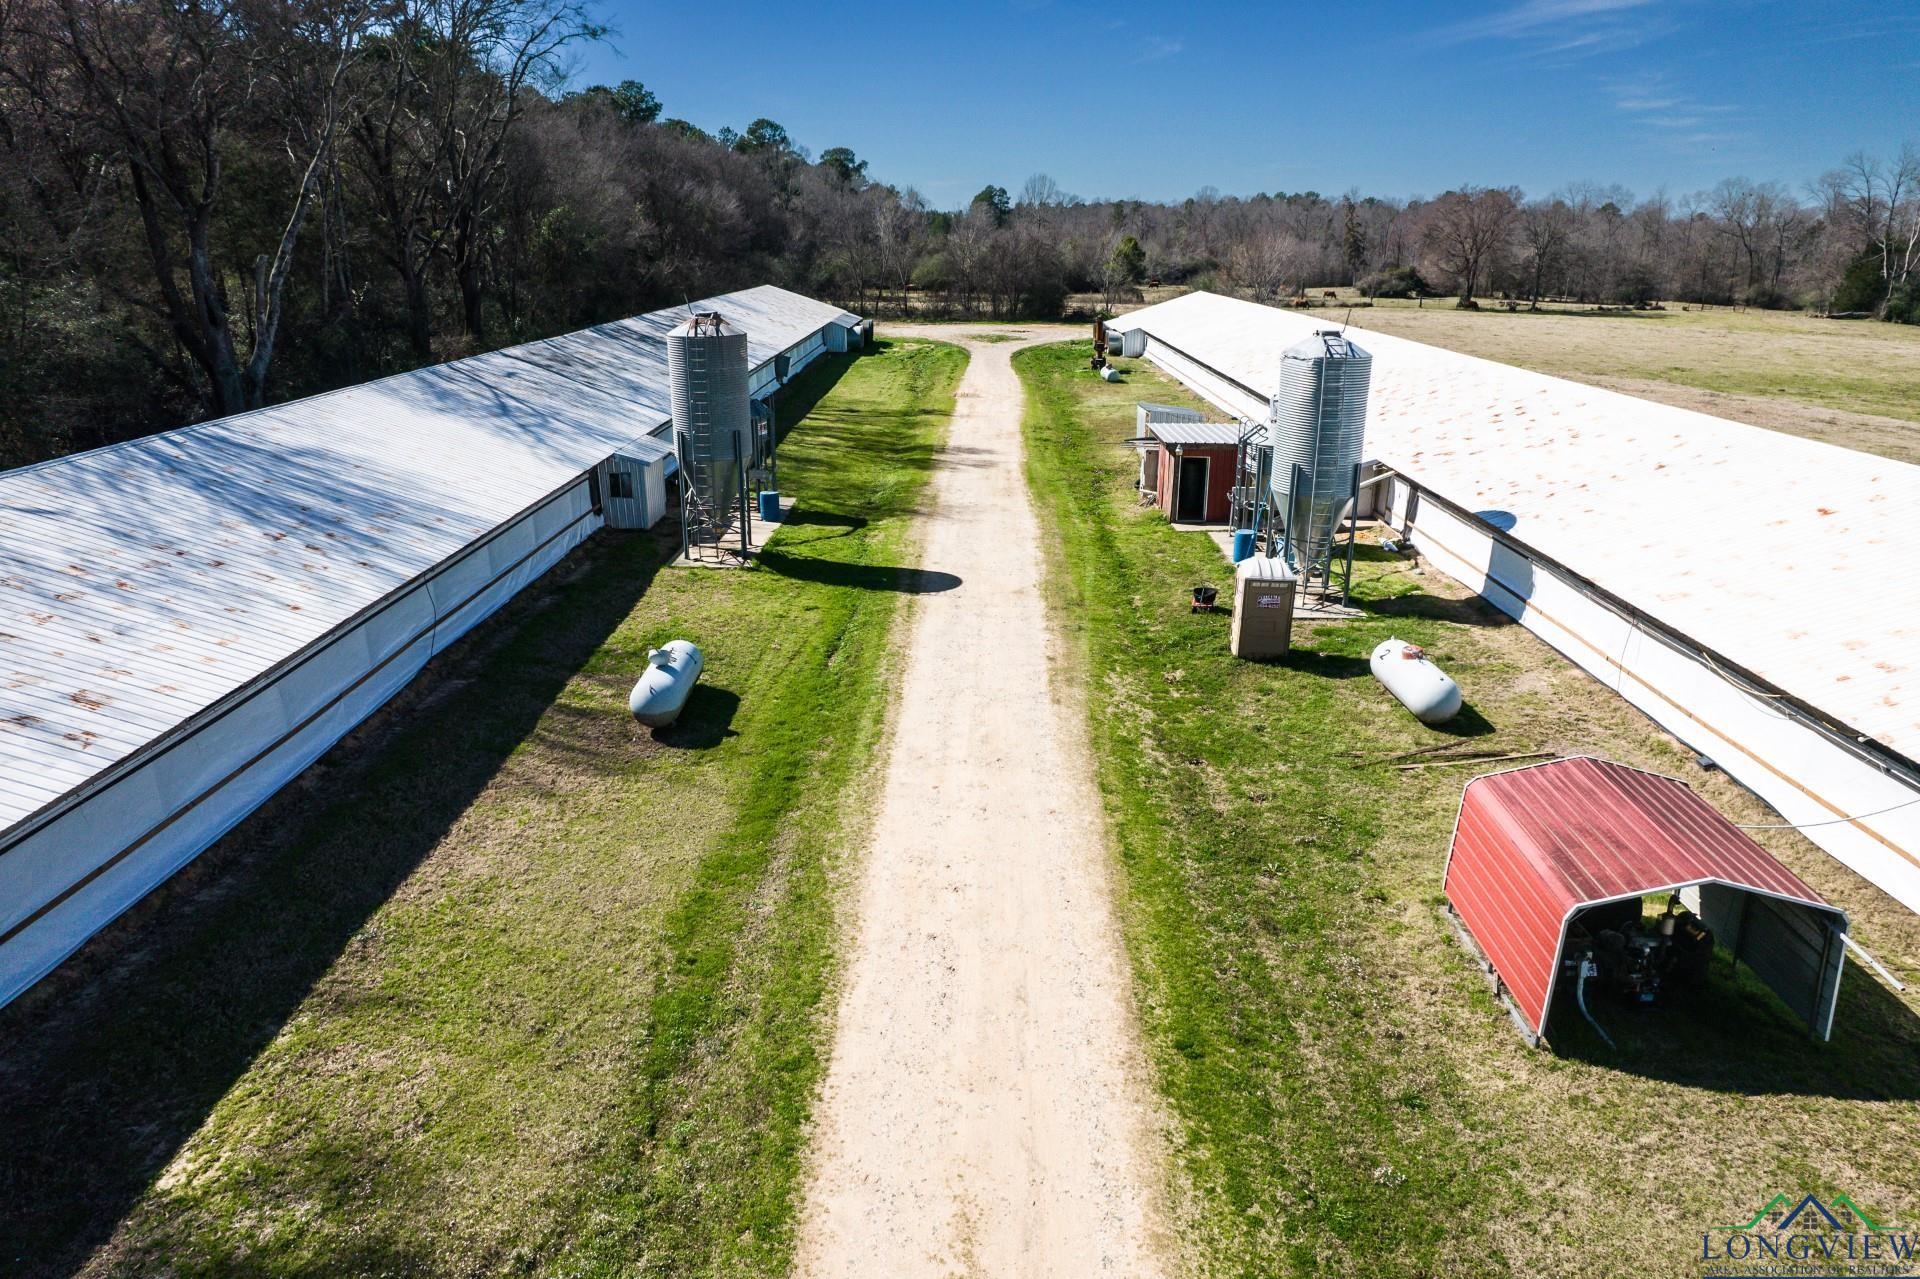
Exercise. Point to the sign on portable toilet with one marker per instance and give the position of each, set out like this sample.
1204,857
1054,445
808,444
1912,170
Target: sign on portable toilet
1263,587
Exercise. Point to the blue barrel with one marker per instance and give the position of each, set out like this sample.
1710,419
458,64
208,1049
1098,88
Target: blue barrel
1242,544
770,505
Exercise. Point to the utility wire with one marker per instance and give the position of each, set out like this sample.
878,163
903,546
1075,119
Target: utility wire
1837,821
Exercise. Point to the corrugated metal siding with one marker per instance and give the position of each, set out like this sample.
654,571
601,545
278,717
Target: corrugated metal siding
64,879
1603,830
188,621
142,583
1212,433
1513,912
1534,844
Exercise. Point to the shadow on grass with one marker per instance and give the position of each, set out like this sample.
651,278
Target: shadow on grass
1466,722
1326,665
1472,611
705,723
806,517
107,1069
831,525
1733,1035
866,577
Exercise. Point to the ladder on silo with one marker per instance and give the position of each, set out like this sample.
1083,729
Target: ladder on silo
701,525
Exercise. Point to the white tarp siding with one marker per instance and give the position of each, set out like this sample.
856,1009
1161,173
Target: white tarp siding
1797,769
189,620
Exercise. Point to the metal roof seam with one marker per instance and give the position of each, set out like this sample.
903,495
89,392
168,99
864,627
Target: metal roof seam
317,510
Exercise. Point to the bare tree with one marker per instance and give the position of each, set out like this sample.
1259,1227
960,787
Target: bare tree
1882,201
1788,231
1200,212
1041,191
1465,230
900,227
1546,228
968,247
495,52
1269,265
164,89
1742,209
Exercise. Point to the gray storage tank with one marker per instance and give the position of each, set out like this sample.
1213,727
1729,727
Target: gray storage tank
1318,425
712,422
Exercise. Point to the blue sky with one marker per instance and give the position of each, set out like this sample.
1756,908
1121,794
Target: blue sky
1154,101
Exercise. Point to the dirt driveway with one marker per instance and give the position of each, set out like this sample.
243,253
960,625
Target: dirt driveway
984,1111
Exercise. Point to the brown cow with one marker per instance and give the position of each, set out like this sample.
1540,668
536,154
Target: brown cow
1330,294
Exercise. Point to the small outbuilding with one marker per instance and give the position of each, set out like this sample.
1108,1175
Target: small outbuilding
632,484
1187,468
1549,857
845,332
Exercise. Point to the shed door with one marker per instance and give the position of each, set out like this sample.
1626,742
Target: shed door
1190,506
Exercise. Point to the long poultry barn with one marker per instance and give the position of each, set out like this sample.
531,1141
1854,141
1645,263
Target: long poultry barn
189,620
1750,591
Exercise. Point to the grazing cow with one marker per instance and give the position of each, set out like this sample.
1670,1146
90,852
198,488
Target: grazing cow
1330,294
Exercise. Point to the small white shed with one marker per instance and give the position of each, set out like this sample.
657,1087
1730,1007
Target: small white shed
843,333
633,483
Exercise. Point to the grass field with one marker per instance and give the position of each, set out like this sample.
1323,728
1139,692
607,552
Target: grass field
1346,1095
509,985
1855,383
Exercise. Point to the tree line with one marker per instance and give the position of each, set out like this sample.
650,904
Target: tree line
211,205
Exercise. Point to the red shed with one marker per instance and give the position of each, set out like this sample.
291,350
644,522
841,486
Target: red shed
1538,850
1188,468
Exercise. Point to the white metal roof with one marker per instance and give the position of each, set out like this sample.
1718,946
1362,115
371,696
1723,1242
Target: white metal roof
1209,433
142,583
1787,556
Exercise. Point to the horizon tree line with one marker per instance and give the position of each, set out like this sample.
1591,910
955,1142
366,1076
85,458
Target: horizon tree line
211,205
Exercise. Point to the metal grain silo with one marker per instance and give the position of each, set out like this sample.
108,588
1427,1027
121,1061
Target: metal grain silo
712,421
1317,431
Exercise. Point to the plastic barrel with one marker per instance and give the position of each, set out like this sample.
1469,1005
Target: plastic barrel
770,506
1242,544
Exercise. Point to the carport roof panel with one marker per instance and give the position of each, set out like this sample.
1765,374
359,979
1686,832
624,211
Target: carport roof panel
1596,831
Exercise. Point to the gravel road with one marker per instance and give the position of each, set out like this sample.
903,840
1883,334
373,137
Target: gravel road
984,1111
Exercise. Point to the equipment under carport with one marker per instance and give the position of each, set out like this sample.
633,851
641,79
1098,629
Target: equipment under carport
1549,866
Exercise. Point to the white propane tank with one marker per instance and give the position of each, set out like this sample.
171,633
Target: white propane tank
662,692
1109,374
1422,687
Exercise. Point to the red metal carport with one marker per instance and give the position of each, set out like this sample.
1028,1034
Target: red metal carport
1534,846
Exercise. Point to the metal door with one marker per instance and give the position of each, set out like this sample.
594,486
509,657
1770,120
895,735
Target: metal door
1190,502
